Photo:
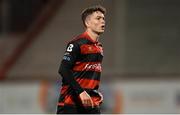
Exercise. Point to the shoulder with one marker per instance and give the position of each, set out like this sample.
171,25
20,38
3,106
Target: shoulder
79,40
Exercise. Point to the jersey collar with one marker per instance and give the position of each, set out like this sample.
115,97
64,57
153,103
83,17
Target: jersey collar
85,34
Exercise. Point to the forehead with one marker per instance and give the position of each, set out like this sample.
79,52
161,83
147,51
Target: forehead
97,14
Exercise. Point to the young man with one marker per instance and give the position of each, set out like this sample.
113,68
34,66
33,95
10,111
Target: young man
81,67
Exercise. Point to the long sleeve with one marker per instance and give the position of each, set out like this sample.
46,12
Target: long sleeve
65,69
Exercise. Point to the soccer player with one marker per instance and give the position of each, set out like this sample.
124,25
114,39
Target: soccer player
81,67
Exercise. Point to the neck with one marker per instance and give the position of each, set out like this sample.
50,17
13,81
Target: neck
93,35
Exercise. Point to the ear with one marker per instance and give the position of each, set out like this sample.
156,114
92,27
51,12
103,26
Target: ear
87,22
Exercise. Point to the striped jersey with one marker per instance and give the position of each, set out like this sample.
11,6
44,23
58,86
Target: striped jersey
80,70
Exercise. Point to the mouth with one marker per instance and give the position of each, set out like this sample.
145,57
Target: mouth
103,27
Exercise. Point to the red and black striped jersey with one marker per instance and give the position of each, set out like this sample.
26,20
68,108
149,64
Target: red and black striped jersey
81,70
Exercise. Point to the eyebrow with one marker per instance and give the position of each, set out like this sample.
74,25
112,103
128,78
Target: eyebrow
100,17
103,17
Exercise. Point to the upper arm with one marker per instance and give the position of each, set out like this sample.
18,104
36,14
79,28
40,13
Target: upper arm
71,54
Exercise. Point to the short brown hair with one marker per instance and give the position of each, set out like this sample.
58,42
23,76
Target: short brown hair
90,10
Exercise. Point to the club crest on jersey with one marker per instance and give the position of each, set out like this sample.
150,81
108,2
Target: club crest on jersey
90,48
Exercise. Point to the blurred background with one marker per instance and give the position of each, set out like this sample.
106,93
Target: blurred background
141,67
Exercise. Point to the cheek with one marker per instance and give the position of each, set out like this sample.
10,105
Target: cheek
95,24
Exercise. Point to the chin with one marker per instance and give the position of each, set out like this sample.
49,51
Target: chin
99,32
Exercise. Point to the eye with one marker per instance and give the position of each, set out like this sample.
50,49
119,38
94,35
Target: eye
98,18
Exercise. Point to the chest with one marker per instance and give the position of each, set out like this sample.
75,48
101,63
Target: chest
91,49
92,52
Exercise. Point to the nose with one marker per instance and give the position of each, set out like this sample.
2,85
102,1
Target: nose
103,21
